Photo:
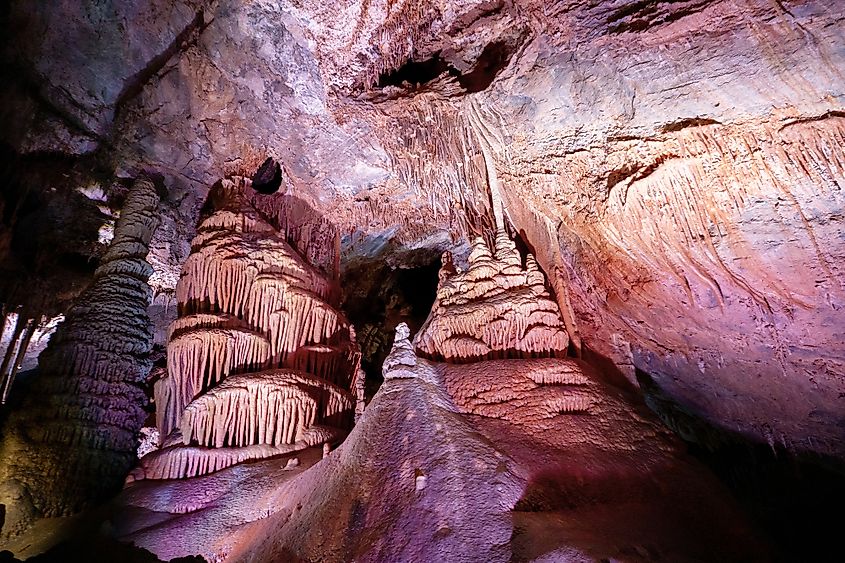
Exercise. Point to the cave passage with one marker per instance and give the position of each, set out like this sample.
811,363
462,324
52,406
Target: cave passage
377,297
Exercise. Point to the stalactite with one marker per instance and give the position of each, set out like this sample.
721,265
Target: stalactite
8,378
73,439
270,407
6,373
174,460
197,360
259,357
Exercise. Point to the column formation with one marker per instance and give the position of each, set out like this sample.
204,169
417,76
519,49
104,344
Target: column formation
260,362
73,439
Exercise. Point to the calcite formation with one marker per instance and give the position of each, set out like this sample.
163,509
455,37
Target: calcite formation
481,448
73,439
656,155
675,168
16,349
496,309
495,460
259,358
494,319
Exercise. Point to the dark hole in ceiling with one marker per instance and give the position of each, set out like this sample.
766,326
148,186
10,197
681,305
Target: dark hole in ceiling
268,177
493,59
417,72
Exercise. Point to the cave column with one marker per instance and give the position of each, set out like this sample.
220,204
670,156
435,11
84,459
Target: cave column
73,439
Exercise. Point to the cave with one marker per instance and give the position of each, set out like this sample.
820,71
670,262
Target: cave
377,281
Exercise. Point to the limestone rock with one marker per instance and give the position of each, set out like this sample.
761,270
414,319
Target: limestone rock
258,358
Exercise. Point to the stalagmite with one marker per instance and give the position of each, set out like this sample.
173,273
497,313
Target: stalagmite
498,321
496,309
73,439
259,357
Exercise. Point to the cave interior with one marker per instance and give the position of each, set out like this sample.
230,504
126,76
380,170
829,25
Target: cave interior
448,280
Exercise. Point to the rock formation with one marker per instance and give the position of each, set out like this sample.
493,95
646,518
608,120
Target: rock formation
15,351
496,309
674,167
494,460
653,155
73,438
259,362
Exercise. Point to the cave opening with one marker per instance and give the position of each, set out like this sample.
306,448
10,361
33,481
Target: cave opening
417,72
268,178
493,59
378,294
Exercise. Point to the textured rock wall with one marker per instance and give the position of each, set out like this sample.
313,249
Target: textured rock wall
678,169
493,461
72,439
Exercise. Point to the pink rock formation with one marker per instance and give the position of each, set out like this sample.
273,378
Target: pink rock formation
74,438
459,463
496,309
175,460
492,460
258,359
674,164
270,407
203,357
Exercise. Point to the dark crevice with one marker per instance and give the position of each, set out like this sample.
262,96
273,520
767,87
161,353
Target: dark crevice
812,118
268,178
493,59
136,83
647,14
417,72
377,296
688,122
620,175
789,496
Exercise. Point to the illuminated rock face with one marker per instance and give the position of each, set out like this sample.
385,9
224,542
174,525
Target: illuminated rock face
492,460
674,165
73,438
676,168
258,359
